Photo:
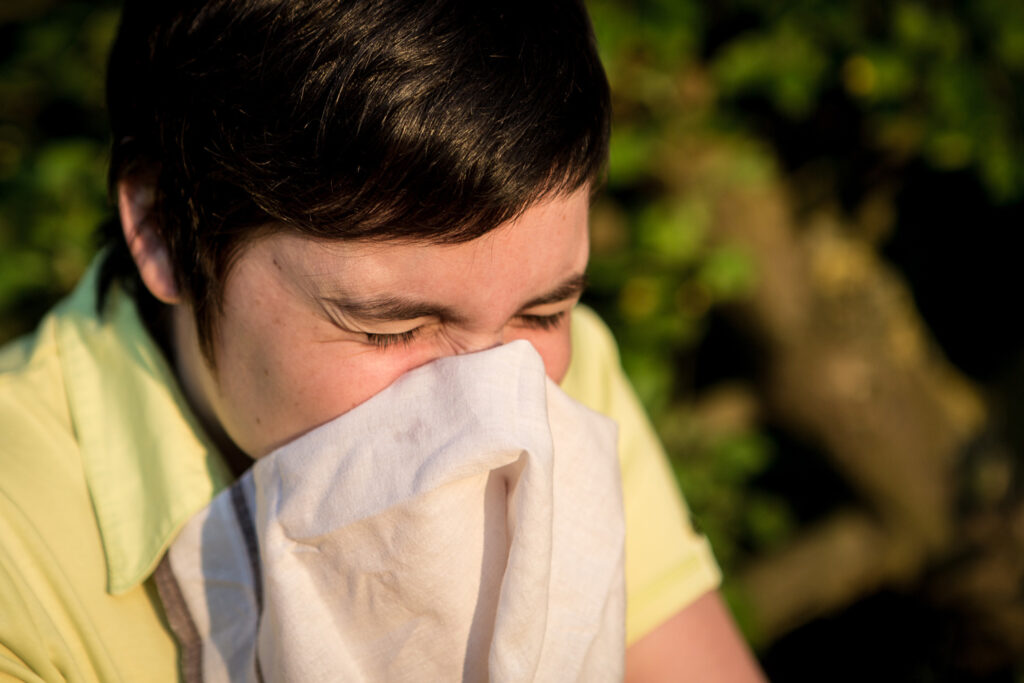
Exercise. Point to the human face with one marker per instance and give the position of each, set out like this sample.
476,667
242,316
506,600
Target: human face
311,329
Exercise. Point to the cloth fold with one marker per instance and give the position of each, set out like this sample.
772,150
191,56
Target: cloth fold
463,524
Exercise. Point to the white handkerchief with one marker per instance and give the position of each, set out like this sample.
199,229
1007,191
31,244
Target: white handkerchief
463,524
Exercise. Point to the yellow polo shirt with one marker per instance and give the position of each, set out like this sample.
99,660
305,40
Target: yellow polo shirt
101,462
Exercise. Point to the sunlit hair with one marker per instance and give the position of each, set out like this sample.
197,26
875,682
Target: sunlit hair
424,120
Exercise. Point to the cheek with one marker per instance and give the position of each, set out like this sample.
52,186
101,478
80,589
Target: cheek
554,347
272,393
326,385
276,386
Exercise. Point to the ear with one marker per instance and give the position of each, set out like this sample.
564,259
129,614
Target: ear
135,202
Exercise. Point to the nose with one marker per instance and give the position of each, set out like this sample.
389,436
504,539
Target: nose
471,342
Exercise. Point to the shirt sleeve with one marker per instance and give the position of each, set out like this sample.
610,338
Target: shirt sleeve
668,564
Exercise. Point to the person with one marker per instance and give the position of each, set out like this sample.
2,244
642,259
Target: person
313,198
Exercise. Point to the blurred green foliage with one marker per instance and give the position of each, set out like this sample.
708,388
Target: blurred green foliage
52,154
655,271
938,81
934,82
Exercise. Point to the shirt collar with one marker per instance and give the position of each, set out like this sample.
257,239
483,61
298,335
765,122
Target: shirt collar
148,464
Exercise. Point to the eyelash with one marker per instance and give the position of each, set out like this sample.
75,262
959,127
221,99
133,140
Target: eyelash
384,341
543,322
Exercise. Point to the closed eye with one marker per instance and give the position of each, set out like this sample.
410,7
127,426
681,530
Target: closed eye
542,322
384,341
538,322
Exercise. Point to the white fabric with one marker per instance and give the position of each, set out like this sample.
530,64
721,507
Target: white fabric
464,524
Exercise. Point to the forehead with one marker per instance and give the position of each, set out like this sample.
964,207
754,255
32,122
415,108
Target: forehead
545,244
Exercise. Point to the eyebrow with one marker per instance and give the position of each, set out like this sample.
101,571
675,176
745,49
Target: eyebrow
385,309
571,287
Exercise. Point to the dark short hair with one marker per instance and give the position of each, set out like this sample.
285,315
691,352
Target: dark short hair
424,120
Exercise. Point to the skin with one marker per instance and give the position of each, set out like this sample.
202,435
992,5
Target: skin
310,330
306,334
700,644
